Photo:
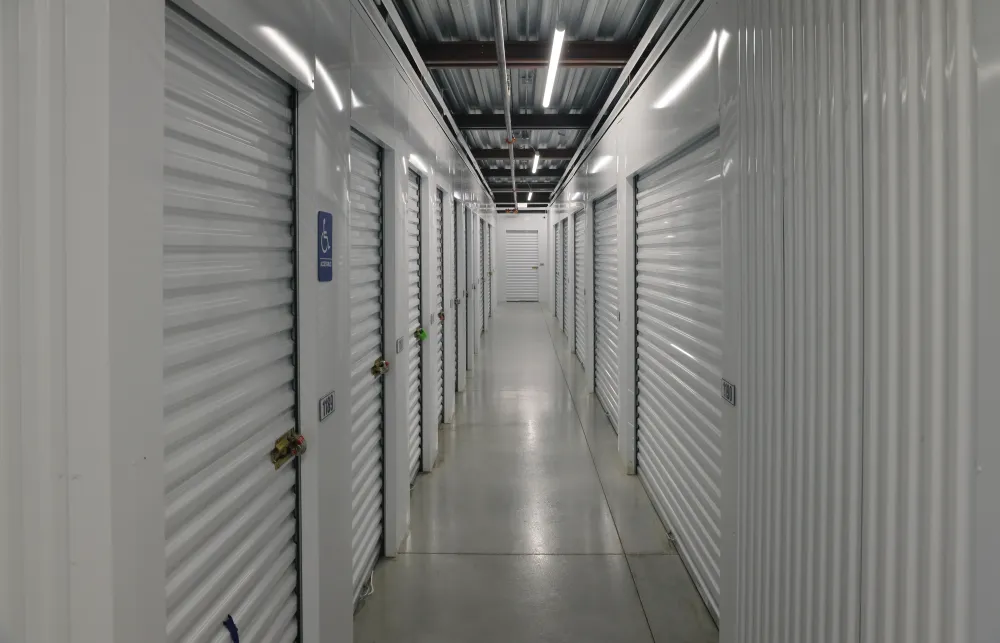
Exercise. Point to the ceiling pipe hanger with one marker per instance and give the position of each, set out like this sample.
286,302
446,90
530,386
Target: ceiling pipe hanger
505,79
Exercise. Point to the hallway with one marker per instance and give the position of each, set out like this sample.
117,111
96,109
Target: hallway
528,529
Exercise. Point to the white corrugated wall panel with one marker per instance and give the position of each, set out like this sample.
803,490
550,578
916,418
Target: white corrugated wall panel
919,161
439,300
482,276
521,265
228,345
565,272
559,270
799,411
367,416
414,352
679,343
579,291
606,380
452,316
489,269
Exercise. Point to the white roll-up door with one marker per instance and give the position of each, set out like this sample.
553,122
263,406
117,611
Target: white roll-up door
679,348
228,342
367,341
579,314
557,249
489,269
414,352
565,271
439,301
456,211
521,265
606,318
482,276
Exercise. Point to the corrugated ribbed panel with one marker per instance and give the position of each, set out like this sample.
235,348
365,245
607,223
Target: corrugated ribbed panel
919,156
606,379
580,321
799,407
679,344
228,345
559,270
456,290
439,299
414,353
481,300
489,270
367,418
521,265
565,263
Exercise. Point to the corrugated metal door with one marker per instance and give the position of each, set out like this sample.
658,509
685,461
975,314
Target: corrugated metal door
482,277
229,346
606,305
452,319
439,300
414,353
580,318
679,352
521,264
489,269
367,423
565,270
559,269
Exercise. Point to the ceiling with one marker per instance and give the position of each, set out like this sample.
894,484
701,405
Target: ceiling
455,39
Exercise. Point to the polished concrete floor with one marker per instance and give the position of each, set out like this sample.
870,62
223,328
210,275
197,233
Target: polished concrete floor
528,529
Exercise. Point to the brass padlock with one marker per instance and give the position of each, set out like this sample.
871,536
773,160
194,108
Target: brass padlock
288,446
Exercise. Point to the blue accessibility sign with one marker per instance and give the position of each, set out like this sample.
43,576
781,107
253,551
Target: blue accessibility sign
325,246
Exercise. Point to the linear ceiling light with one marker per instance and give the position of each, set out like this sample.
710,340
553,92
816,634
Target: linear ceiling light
522,205
550,79
529,195
688,76
534,166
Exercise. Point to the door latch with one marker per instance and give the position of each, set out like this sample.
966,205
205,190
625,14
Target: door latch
288,446
380,367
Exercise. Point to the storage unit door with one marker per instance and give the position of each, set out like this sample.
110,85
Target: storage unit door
521,263
439,300
228,342
367,341
559,268
489,269
482,277
606,305
565,271
414,352
580,318
679,347
452,318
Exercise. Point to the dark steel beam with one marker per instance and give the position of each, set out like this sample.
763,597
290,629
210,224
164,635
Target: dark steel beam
525,176
536,195
575,53
524,121
524,187
500,154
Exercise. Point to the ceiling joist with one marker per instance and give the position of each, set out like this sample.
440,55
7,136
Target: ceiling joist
524,121
523,174
500,154
482,55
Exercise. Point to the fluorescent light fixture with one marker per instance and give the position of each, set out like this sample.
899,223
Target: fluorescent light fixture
289,51
688,76
418,163
534,166
550,78
576,195
600,164
324,76
529,195
522,205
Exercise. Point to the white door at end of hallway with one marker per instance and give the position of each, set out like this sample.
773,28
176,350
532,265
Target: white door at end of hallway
367,359
414,342
579,291
606,380
521,265
679,341
229,347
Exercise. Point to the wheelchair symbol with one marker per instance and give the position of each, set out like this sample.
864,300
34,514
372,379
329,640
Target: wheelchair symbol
324,239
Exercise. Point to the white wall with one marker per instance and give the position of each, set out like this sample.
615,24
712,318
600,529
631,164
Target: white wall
81,101
862,323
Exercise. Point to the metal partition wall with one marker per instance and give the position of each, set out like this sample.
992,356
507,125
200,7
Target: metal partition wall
606,315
